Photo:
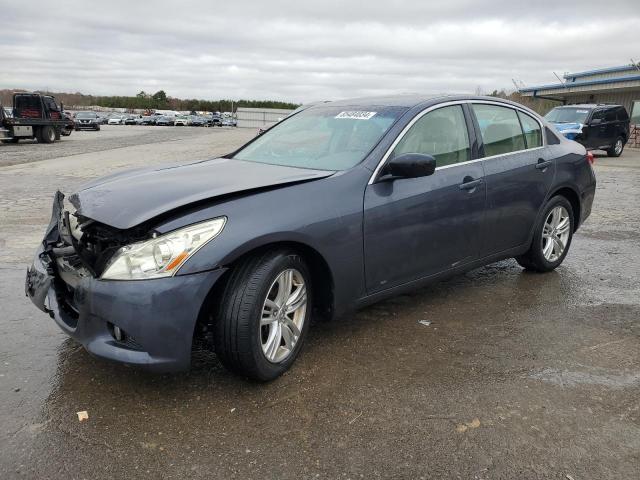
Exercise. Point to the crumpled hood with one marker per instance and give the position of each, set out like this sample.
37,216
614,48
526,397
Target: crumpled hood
127,199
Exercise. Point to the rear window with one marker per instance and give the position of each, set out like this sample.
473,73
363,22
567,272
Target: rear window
532,130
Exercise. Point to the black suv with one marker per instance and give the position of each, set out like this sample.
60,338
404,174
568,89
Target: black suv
596,126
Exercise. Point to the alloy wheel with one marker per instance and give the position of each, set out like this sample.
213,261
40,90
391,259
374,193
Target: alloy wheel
283,315
555,233
618,146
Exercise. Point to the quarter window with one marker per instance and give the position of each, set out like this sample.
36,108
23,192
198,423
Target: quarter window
532,131
441,133
500,129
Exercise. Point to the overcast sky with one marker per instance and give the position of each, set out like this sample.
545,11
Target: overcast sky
307,50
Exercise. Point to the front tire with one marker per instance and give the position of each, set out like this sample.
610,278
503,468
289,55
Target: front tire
617,148
264,314
551,237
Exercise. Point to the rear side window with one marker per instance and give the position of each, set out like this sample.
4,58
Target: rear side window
610,115
441,133
500,129
531,129
621,115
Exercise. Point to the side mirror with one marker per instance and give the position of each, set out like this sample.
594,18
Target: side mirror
595,121
410,165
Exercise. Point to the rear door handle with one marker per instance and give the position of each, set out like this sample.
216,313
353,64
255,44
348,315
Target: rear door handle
469,183
542,164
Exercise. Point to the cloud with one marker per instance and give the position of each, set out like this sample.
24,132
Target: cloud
303,51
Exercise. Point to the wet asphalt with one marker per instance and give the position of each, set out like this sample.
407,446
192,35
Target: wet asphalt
497,373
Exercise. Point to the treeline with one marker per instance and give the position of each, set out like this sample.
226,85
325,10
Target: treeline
156,101
161,101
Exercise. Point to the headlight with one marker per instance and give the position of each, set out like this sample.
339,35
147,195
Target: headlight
161,256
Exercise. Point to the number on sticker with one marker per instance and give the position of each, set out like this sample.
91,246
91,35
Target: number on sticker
356,115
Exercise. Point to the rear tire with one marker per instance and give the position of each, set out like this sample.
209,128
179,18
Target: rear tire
251,313
47,134
617,148
551,238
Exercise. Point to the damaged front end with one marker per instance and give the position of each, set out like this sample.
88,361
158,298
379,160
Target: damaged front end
146,322
73,247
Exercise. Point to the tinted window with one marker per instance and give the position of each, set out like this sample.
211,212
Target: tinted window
598,115
441,133
567,115
532,131
621,114
610,115
324,138
500,129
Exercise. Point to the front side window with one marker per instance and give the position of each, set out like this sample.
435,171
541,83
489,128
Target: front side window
323,138
441,133
500,129
532,130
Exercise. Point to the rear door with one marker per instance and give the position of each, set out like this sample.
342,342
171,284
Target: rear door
416,227
598,130
518,173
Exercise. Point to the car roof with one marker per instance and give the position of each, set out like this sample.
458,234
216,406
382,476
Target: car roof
411,100
589,105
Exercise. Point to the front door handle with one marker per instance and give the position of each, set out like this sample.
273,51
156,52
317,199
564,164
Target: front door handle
542,164
469,183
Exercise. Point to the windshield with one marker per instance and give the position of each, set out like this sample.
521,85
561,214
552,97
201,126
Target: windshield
323,138
567,115
85,115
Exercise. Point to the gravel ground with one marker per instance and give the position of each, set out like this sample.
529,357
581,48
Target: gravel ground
517,376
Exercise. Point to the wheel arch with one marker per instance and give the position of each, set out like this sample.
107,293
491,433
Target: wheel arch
322,280
574,199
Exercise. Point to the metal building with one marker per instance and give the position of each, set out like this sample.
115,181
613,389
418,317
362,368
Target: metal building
259,117
620,85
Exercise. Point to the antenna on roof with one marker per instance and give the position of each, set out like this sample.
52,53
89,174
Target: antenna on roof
637,65
515,84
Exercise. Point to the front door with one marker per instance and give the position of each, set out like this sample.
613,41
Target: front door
417,227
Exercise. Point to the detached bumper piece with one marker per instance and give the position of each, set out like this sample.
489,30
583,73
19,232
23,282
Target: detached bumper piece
146,323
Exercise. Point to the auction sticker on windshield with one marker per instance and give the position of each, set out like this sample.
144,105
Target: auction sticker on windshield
356,115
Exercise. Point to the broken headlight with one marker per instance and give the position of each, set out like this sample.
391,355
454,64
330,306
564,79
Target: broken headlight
161,256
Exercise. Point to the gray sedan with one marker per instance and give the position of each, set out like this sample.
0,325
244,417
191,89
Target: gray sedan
335,207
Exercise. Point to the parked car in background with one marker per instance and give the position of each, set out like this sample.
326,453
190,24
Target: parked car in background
149,120
228,122
373,197
596,126
197,121
165,120
116,120
132,119
182,121
87,121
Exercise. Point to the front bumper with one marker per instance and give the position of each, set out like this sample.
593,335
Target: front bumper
157,317
86,126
